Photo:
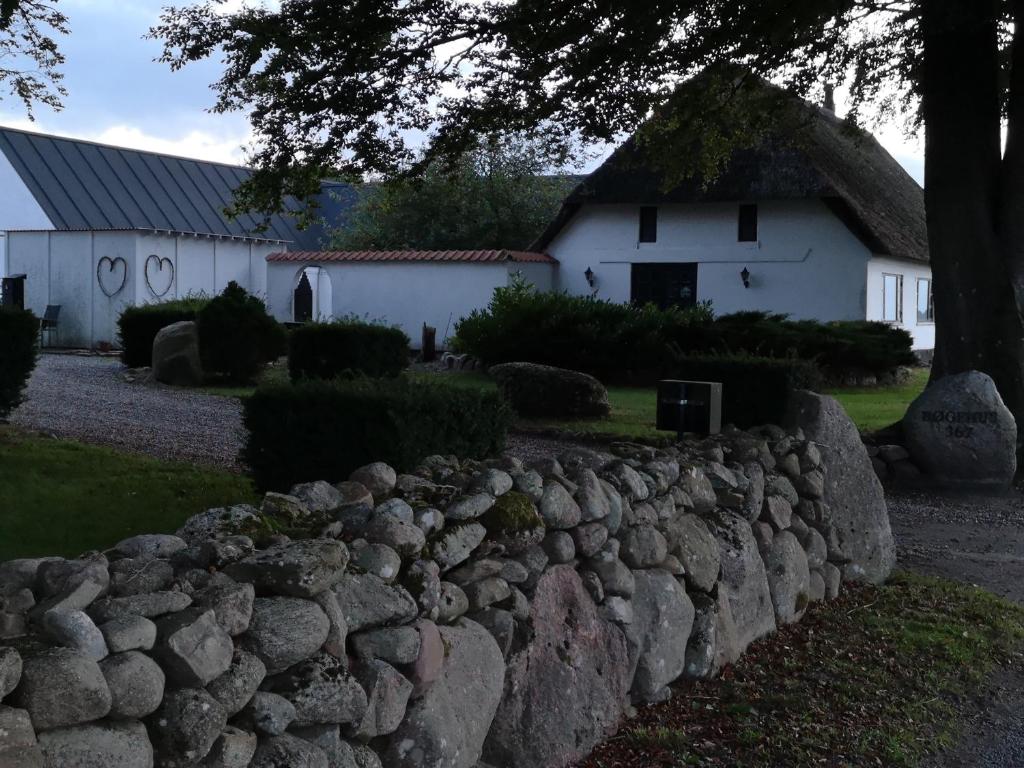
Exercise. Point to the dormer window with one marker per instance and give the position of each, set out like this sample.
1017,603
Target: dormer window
648,224
748,223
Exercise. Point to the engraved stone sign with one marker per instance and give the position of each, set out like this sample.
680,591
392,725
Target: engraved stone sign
960,433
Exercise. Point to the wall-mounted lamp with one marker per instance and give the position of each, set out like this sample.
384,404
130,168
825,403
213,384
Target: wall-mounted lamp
589,275
745,277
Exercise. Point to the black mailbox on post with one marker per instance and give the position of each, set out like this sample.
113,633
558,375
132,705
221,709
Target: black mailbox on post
690,406
12,289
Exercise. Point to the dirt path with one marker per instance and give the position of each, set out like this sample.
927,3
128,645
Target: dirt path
979,540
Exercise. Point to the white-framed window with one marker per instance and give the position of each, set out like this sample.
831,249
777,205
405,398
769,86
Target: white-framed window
892,298
925,302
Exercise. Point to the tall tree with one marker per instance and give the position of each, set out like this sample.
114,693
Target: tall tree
497,195
30,58
339,84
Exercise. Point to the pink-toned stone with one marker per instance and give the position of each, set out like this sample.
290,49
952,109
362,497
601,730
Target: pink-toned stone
568,688
428,665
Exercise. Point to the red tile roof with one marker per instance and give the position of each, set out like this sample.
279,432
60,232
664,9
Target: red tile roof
481,256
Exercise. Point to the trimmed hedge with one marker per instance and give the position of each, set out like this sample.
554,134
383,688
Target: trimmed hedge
138,326
318,429
327,350
237,337
627,343
755,390
19,332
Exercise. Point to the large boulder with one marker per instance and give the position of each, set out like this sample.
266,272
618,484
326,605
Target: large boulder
176,355
446,727
61,687
785,563
662,620
852,490
547,392
98,745
743,577
567,689
961,433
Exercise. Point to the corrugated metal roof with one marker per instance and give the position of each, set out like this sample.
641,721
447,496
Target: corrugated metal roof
83,185
480,256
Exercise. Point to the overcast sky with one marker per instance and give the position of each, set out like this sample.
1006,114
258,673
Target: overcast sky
120,95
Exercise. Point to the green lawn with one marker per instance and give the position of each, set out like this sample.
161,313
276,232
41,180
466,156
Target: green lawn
873,408
59,497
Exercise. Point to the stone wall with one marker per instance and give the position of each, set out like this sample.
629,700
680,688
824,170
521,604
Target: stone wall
470,613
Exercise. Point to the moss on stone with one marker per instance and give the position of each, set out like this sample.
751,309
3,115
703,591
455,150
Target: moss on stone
512,513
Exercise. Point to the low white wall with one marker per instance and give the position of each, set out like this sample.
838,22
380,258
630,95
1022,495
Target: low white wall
923,332
403,294
806,263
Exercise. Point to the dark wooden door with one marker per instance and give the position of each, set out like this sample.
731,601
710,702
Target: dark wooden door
666,285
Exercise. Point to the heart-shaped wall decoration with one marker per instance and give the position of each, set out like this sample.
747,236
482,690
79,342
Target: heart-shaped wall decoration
111,274
159,273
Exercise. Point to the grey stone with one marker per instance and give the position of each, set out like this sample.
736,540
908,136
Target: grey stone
337,632
428,665
284,507
234,688
810,485
816,587
786,567
368,601
643,547
617,610
454,544
340,753
176,355
98,745
799,528
136,684
493,482
321,496
778,485
485,593
833,578
557,507
789,465
61,687
591,497
267,713
397,645
960,432
298,568
448,724
378,478
429,520
690,540
698,487
150,545
712,642
10,671
70,585
321,690
75,630
284,631
396,508
193,647
15,729
559,547
185,727
743,578
853,493
778,512
751,506
138,575
388,693
287,751
233,748
816,549
453,603
615,577
207,525
231,605
469,507
535,560
500,623
662,620
529,483
149,606
589,538
379,559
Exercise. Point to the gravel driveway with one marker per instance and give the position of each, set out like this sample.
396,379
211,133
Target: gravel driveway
86,398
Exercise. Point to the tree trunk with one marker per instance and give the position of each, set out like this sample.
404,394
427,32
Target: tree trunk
972,243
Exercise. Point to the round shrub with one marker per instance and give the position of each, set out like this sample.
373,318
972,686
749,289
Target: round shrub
328,350
18,334
237,338
543,391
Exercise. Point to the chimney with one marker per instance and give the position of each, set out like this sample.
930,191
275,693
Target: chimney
830,98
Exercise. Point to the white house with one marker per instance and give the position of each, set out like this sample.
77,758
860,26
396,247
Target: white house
95,228
825,225
403,288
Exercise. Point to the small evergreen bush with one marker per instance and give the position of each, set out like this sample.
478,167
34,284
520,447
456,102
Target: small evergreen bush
237,338
327,350
755,390
138,326
323,430
19,332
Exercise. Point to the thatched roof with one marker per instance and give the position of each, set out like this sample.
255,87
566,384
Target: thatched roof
816,156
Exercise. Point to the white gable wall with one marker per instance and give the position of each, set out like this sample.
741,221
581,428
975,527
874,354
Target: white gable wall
806,263
923,331
18,209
